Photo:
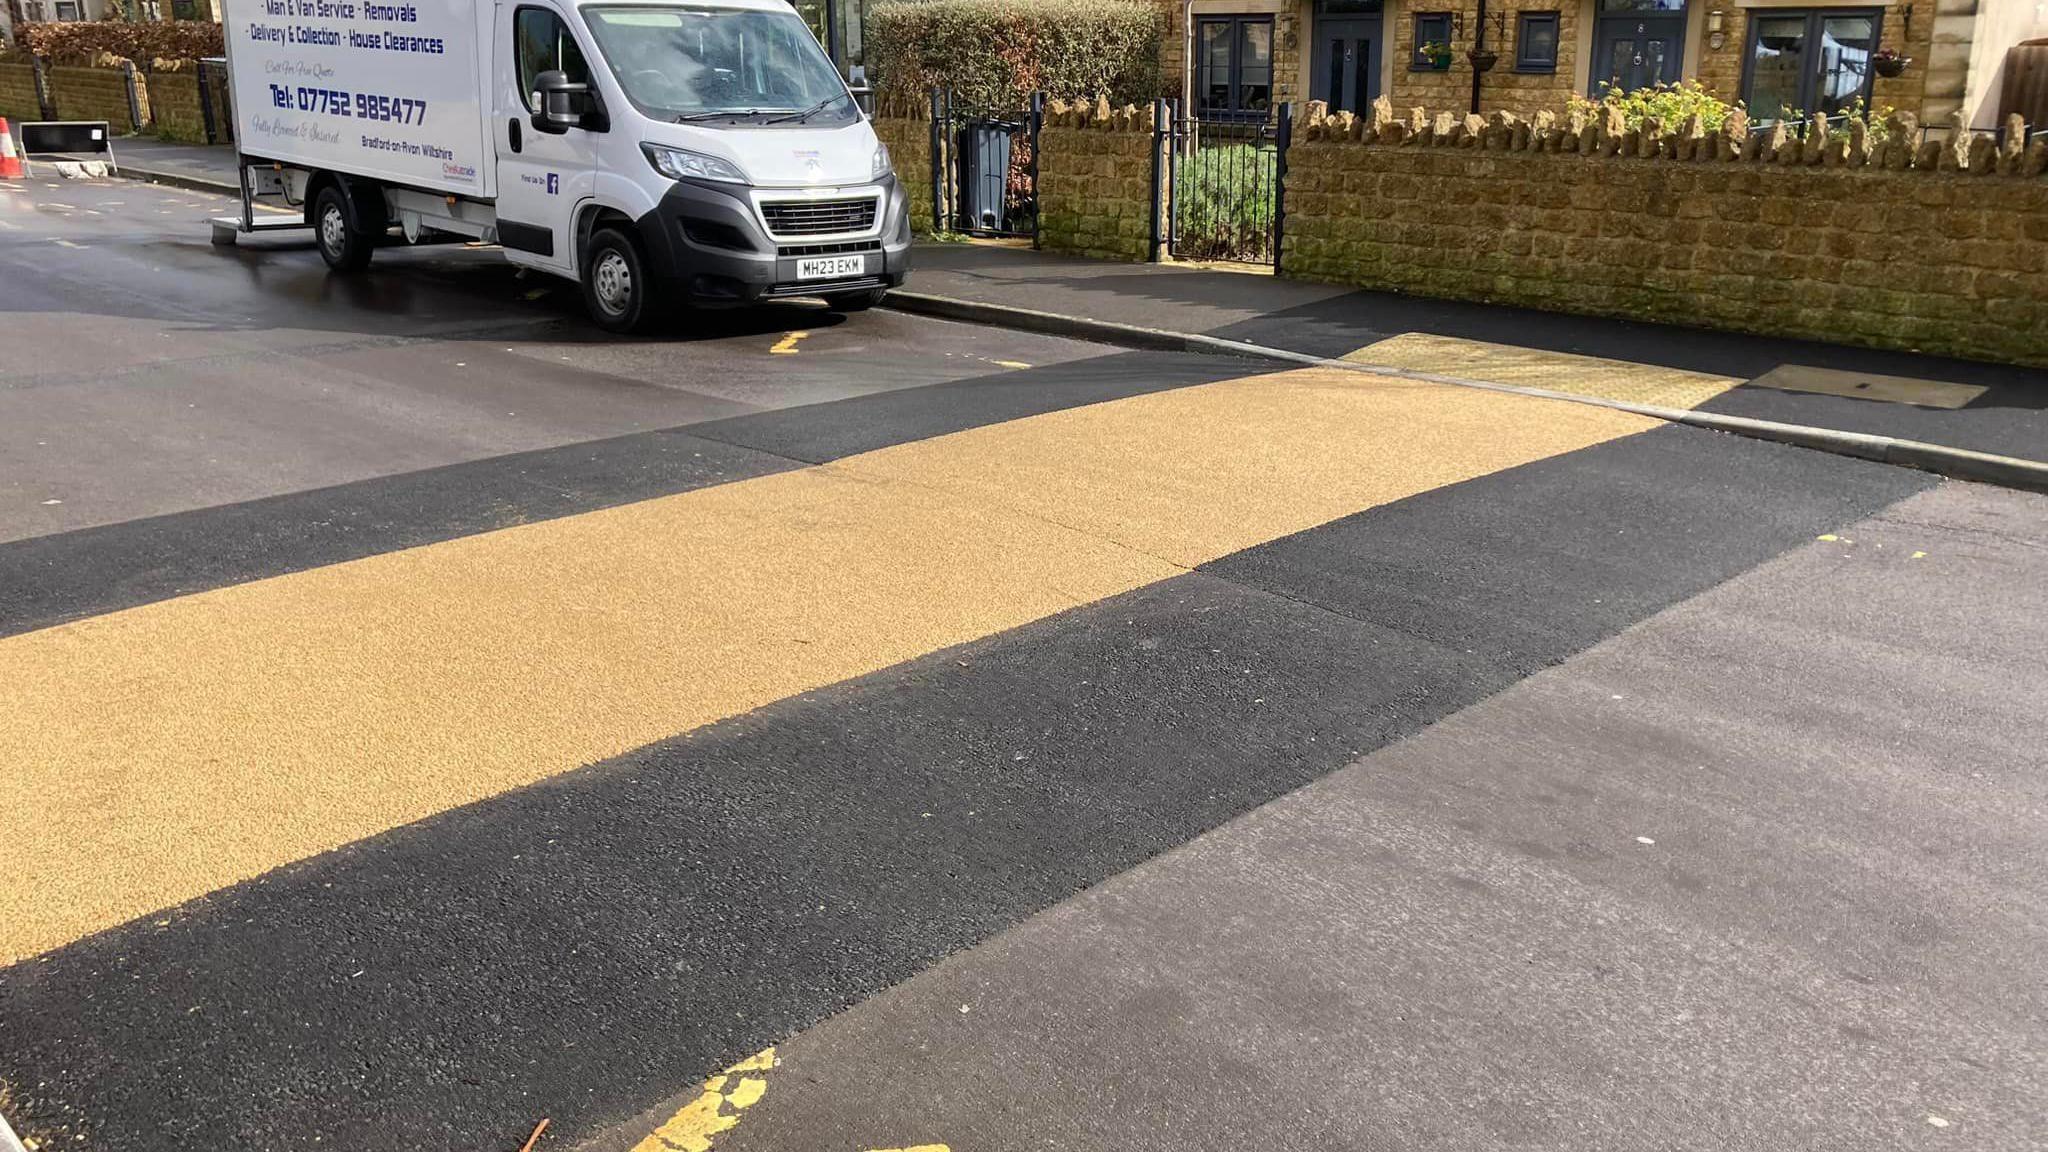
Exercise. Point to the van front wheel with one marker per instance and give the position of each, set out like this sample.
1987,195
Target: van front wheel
856,301
616,287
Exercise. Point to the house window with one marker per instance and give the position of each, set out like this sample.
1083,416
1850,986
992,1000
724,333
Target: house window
1536,42
1234,65
1806,62
35,12
68,10
1430,28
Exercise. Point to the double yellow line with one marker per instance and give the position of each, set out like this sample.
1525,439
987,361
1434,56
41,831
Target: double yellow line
156,754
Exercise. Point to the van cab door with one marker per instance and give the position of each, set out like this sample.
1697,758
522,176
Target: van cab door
542,176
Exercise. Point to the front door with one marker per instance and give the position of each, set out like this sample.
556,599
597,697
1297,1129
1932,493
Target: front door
1346,70
542,176
1638,51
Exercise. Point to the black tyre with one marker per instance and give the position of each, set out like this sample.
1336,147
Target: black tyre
856,301
343,244
616,287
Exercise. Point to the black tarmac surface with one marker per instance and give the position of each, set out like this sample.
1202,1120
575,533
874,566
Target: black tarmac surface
1759,873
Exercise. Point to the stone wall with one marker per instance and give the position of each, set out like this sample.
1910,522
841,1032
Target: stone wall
1095,181
174,108
1941,248
97,94
906,130
18,92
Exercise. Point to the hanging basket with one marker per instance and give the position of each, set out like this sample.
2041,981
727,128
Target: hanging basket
1889,66
1483,61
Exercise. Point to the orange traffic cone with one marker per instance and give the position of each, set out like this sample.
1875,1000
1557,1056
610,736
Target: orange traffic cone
10,160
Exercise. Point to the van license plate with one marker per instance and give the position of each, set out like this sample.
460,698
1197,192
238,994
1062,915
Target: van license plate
831,267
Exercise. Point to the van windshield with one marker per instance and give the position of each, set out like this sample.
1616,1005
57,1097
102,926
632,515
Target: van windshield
720,65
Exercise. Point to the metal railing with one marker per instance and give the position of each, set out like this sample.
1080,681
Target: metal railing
1225,185
985,166
216,111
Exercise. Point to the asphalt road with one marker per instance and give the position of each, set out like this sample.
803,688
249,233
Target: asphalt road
146,372
968,739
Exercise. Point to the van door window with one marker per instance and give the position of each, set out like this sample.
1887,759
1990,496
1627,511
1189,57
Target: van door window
543,44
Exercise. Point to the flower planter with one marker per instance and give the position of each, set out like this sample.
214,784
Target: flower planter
1483,61
1439,63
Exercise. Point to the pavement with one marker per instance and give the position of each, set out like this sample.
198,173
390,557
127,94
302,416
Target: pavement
792,731
1992,408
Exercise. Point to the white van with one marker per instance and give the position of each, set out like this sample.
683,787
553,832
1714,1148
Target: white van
658,152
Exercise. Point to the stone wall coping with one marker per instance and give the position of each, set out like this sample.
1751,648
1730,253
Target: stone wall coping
1100,115
1593,134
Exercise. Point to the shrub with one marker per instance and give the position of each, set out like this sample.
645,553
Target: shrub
1671,104
995,53
80,42
1224,202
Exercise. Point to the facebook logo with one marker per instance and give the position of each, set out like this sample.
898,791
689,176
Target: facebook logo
554,184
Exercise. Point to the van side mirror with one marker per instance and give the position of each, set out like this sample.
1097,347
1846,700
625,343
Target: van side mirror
864,96
563,102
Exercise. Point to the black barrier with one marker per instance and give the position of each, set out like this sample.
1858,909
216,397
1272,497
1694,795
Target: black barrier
65,140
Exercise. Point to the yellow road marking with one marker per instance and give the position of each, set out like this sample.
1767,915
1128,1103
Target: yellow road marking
172,749
1552,371
1010,364
787,345
715,1110
916,1148
67,244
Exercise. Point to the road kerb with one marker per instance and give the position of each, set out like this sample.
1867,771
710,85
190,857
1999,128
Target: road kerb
174,180
1957,463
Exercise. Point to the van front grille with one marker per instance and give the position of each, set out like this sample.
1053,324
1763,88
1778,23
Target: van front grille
839,248
818,217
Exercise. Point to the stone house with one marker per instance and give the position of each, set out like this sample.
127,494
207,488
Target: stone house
1237,57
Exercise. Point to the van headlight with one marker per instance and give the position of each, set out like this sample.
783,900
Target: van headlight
881,166
678,164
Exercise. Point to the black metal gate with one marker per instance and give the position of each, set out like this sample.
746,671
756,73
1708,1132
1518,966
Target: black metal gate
1225,178
215,112
985,167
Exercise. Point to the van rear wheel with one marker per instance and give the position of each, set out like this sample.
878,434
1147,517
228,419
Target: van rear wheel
343,245
616,287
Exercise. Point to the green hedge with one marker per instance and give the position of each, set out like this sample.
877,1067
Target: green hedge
995,53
